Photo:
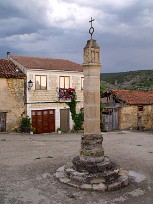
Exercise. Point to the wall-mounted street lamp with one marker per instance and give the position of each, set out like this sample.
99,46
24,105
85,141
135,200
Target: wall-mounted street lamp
30,84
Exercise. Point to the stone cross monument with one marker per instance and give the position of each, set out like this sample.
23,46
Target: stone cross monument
91,152
92,170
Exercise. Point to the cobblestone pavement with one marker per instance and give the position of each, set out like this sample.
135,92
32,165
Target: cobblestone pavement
28,164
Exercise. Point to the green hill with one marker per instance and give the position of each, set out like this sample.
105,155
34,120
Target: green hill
132,80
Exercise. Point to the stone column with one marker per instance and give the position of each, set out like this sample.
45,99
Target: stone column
91,142
91,170
91,70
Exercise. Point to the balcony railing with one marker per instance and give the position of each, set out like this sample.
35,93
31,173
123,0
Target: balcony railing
66,93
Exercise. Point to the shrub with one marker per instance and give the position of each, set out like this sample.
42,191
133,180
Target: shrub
25,124
77,118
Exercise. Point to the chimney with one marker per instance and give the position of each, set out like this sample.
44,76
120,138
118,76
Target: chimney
8,55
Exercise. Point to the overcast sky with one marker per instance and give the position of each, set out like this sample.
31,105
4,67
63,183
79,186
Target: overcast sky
59,29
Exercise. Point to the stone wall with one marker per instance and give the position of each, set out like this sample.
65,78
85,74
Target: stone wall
49,99
129,117
147,117
51,94
12,101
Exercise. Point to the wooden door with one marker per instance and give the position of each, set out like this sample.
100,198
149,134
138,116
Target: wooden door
107,122
2,122
51,120
39,120
110,119
115,119
64,120
43,121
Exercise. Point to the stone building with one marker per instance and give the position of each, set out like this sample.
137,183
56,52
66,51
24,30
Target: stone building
125,109
11,96
52,84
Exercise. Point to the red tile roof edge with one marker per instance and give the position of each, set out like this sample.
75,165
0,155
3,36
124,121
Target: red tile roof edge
134,97
8,70
47,63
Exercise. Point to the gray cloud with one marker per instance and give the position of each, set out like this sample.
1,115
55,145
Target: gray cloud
59,29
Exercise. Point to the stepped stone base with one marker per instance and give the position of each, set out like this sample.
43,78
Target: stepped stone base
92,165
107,176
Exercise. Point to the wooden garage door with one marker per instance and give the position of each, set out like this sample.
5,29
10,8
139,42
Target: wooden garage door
43,121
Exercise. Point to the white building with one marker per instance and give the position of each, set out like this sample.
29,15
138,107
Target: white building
52,83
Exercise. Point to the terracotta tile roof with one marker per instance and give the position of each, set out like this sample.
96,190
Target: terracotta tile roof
8,70
47,63
134,97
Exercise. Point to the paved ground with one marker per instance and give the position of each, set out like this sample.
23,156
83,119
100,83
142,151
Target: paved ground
28,164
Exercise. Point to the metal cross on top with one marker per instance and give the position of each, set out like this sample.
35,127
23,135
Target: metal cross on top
91,30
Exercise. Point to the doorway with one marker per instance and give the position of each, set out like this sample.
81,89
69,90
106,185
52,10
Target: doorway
64,120
43,121
2,122
110,119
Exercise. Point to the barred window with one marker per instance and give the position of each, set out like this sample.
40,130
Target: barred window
140,108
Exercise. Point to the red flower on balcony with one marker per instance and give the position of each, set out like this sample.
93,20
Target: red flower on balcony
66,93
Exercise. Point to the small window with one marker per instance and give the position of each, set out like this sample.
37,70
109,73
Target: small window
33,113
51,112
45,112
39,113
140,108
41,82
82,82
65,82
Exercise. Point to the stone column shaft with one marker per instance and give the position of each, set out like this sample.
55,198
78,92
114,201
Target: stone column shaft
91,98
91,142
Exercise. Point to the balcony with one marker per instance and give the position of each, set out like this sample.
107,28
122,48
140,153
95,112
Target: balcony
66,94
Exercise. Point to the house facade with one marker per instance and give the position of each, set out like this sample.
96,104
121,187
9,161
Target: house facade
125,109
53,82
12,100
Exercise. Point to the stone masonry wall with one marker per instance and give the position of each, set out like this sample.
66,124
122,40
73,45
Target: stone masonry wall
147,117
76,83
128,117
12,101
49,99
51,94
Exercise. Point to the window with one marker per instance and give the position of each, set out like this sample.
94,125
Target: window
41,82
65,82
82,82
140,108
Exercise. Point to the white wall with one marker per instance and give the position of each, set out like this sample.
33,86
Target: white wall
48,99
